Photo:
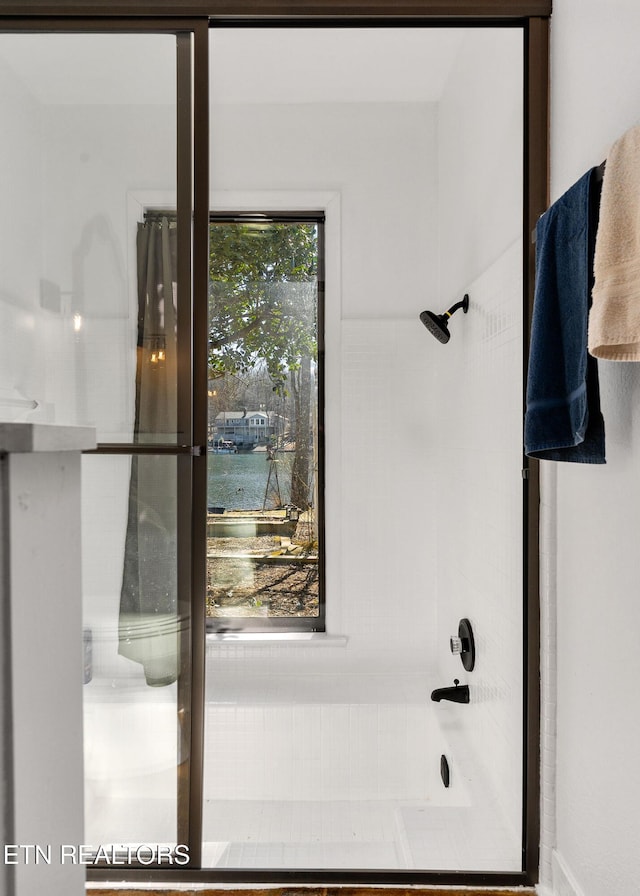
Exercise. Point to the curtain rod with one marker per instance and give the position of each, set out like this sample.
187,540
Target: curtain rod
159,213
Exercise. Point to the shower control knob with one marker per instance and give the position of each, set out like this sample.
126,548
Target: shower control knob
464,645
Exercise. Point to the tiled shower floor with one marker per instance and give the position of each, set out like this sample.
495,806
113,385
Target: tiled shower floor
355,835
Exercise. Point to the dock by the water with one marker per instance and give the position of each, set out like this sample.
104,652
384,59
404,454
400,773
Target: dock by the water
250,524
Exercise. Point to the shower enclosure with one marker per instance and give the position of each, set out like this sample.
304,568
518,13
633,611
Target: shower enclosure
325,753
252,745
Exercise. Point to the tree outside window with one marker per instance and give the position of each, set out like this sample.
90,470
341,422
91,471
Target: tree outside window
264,442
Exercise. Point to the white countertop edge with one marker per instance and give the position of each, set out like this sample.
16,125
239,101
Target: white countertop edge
27,438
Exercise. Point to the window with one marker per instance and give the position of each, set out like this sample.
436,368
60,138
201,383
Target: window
265,442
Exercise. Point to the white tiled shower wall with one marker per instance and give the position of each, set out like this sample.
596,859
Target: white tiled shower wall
479,570
479,414
319,749
389,523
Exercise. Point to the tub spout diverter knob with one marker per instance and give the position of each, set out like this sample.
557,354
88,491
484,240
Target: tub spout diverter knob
463,645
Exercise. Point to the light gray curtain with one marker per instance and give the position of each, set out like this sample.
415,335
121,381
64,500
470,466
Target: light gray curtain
148,625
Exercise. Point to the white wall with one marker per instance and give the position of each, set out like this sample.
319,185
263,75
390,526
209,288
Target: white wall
479,412
378,155
97,158
480,162
16,360
595,97
20,235
68,174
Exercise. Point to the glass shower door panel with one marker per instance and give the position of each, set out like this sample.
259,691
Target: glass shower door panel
133,629
411,143
87,301
89,298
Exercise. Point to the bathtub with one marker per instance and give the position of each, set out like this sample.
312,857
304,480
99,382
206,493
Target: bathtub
302,770
331,770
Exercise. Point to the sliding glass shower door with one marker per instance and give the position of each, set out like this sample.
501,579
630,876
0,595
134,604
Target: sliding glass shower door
97,292
325,751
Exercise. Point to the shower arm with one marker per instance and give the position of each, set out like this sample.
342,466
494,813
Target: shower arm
463,303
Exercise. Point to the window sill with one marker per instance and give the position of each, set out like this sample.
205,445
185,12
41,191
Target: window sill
282,639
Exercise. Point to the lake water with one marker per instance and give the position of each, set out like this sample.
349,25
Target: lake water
239,481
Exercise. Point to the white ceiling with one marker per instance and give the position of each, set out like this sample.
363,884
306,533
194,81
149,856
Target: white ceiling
269,65
315,65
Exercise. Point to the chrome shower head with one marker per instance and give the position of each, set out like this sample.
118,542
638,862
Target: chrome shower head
438,324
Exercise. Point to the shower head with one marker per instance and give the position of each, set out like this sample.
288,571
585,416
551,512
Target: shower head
438,324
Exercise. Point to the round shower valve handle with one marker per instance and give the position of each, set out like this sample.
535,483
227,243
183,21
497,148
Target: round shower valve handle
463,645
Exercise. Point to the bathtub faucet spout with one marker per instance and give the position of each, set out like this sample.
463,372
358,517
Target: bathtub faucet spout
457,694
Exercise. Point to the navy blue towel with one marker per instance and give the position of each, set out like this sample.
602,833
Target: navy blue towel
563,420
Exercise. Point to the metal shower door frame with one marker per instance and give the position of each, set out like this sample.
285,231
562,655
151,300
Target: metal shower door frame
194,17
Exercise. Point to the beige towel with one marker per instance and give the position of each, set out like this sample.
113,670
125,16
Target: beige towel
614,319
